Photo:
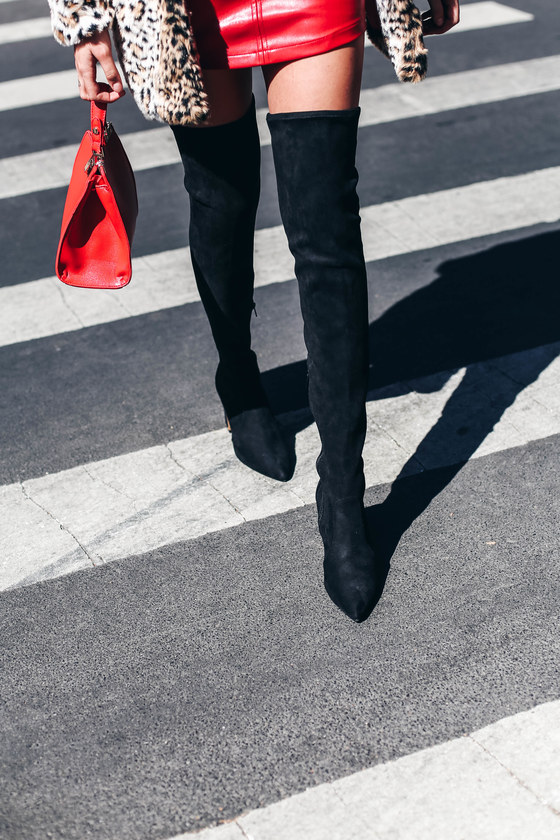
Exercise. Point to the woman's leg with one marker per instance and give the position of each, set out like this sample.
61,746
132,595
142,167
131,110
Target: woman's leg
328,82
229,95
313,124
221,160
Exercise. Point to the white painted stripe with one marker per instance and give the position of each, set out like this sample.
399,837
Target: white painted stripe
495,783
25,30
482,15
379,105
156,147
500,83
50,169
160,281
485,15
38,90
133,503
489,14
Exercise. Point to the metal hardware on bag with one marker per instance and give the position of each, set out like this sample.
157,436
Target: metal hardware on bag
95,130
97,159
108,131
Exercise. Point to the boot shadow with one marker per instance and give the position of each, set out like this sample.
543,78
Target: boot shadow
497,302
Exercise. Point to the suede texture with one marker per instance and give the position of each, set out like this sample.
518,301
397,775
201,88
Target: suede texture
222,177
314,156
259,443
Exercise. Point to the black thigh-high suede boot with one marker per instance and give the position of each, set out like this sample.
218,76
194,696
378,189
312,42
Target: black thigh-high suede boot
314,157
222,177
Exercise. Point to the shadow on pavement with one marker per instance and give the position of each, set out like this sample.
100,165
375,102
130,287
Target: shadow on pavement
174,690
493,303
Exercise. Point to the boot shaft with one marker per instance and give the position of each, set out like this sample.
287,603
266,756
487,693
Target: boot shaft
222,177
314,156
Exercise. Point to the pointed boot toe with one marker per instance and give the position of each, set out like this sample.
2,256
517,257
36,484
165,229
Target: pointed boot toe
354,575
353,585
260,444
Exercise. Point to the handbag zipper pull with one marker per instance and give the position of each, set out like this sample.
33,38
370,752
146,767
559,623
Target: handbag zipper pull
97,159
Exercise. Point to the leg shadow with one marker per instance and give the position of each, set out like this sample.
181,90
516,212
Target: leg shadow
497,302
470,415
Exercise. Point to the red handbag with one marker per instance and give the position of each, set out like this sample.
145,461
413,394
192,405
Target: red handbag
100,212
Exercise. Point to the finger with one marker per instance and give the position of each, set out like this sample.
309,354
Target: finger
430,28
87,83
372,14
86,56
92,90
111,74
437,15
428,25
105,93
452,12
445,28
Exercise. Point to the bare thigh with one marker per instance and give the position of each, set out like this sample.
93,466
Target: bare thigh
229,95
327,82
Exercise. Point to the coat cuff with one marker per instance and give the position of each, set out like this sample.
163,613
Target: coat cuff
73,22
395,28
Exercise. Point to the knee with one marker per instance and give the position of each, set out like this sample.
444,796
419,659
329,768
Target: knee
222,164
233,188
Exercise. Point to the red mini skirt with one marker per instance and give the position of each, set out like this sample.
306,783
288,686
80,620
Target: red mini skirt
249,33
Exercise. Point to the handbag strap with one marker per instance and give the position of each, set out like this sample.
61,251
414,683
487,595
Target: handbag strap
98,126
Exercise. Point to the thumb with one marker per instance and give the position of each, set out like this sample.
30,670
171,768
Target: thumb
112,74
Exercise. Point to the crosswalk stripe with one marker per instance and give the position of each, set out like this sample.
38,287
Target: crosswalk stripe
47,307
50,169
506,781
486,15
481,15
380,105
38,90
25,30
133,503
111,509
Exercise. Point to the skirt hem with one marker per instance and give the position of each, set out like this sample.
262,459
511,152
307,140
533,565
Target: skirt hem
290,52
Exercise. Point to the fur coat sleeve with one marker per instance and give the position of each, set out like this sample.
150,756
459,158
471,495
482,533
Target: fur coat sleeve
157,50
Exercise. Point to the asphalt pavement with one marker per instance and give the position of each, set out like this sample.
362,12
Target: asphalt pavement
170,660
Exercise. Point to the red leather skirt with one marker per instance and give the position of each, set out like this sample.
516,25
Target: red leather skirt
249,33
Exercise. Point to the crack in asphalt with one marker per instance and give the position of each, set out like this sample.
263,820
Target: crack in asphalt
62,526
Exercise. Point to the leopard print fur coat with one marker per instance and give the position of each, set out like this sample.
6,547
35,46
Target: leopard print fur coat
158,54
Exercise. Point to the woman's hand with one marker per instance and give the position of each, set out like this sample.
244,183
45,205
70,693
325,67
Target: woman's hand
86,55
442,16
